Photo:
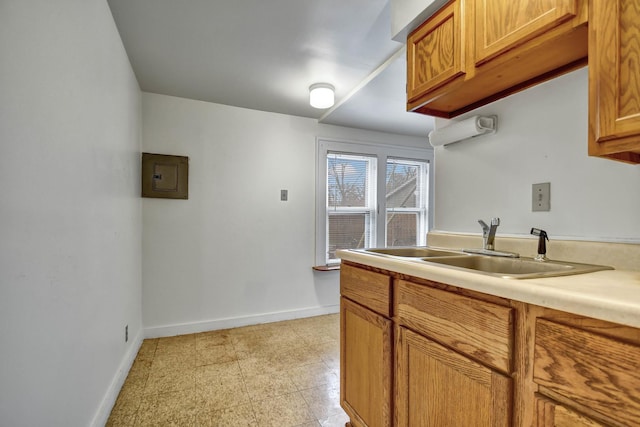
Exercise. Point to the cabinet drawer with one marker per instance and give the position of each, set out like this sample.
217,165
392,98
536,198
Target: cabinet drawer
597,372
481,330
371,289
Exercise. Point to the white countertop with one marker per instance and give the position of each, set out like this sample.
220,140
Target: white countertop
612,295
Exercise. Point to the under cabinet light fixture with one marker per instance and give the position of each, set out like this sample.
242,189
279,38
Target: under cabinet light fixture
321,95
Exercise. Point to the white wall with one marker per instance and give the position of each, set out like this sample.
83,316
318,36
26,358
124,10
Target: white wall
234,253
542,137
70,212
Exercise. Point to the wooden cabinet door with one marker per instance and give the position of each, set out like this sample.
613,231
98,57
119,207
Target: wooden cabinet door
365,365
551,414
504,24
435,54
614,79
436,386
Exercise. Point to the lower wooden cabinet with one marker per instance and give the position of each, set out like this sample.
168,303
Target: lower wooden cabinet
436,386
417,353
365,365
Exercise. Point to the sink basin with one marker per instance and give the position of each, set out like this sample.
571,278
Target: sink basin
413,252
516,268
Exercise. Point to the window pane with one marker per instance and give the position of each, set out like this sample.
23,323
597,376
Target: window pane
348,180
347,231
406,202
402,229
403,184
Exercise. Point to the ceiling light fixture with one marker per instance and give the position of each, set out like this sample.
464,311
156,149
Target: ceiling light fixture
321,95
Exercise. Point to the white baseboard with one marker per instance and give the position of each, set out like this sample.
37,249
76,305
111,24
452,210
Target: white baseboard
235,322
104,410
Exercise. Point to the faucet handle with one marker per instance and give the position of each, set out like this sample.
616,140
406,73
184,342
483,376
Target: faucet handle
484,225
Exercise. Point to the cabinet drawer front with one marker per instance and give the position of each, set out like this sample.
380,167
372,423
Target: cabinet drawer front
434,52
597,372
372,290
481,330
504,24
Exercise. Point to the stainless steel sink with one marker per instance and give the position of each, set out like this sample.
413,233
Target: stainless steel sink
413,252
515,268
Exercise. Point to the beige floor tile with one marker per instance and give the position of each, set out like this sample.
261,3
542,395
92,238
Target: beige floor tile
215,354
117,419
147,349
253,366
295,357
219,396
284,411
314,375
219,373
261,387
323,402
205,339
168,409
196,380
170,380
240,416
337,420
175,360
177,344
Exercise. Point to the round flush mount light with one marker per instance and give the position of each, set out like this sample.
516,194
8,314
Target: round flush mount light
321,95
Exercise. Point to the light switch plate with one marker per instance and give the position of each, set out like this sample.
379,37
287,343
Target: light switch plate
541,197
284,195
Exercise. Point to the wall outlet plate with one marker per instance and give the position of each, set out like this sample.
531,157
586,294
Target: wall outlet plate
541,197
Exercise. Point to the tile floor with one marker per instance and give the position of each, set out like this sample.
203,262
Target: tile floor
282,374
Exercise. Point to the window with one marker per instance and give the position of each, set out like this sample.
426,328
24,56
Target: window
406,202
370,195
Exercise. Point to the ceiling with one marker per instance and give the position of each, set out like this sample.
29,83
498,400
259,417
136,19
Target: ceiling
264,54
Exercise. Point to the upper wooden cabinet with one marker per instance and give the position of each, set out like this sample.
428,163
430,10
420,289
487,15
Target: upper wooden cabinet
473,52
614,80
435,52
505,24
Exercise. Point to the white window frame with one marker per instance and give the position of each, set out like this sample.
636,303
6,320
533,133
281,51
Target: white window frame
422,202
382,153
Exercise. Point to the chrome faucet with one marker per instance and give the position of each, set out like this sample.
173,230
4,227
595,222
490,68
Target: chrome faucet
489,233
488,238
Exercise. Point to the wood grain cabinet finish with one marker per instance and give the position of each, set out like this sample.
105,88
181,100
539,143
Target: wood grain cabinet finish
595,372
473,52
368,288
505,24
479,329
435,54
436,386
445,356
365,365
552,414
614,80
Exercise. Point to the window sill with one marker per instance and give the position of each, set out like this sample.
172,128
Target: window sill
326,267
